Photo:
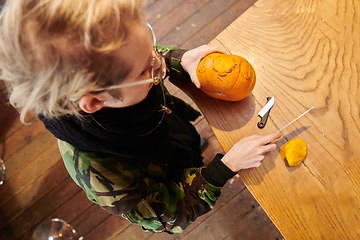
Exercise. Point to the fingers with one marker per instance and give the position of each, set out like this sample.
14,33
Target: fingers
191,59
211,49
253,137
269,148
196,81
256,164
270,138
264,140
219,49
250,151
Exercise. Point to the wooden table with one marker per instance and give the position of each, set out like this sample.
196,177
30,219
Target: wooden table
305,53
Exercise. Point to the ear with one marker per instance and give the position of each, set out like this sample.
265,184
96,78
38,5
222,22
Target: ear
91,103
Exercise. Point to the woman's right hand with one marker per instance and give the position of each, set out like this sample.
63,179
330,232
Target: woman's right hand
249,151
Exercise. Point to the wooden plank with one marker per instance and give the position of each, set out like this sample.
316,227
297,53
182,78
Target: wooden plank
23,191
68,211
228,219
72,208
176,16
8,117
21,137
29,152
149,3
135,232
89,219
305,55
156,10
256,225
109,229
201,19
29,172
213,28
34,215
9,122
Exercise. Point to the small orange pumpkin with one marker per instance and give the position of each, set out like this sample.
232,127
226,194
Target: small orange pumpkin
226,76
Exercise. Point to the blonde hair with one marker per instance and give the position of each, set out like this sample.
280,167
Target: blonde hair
53,49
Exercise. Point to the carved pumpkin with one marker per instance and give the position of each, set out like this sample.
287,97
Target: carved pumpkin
225,76
295,151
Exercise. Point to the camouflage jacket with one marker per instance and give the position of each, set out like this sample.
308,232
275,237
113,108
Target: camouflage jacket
144,193
141,194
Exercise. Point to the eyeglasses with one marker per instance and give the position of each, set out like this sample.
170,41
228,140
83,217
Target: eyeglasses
157,75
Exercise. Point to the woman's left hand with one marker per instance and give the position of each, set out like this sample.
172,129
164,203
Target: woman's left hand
191,59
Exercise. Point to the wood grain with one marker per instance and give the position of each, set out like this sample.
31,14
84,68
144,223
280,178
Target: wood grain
305,53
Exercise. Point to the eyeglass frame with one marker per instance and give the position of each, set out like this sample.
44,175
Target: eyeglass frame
154,79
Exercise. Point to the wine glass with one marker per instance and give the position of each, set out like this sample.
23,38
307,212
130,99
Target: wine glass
55,229
2,171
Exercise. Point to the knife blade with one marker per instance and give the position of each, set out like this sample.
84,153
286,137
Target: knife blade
296,119
267,107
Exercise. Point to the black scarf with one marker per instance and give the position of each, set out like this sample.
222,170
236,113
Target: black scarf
119,131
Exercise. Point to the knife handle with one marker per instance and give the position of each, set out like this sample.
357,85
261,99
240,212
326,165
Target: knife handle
262,122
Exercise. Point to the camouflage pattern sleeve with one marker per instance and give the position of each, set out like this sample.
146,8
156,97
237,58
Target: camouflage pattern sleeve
144,195
173,57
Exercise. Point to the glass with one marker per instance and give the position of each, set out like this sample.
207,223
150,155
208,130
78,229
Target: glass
157,75
2,171
55,229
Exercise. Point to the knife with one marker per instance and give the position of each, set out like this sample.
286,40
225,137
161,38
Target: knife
295,119
267,107
264,113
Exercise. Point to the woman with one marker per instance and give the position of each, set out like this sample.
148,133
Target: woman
90,71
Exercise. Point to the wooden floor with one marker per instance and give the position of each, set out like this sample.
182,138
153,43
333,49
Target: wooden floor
37,186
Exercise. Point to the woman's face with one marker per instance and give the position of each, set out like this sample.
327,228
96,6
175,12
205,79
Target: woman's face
138,53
